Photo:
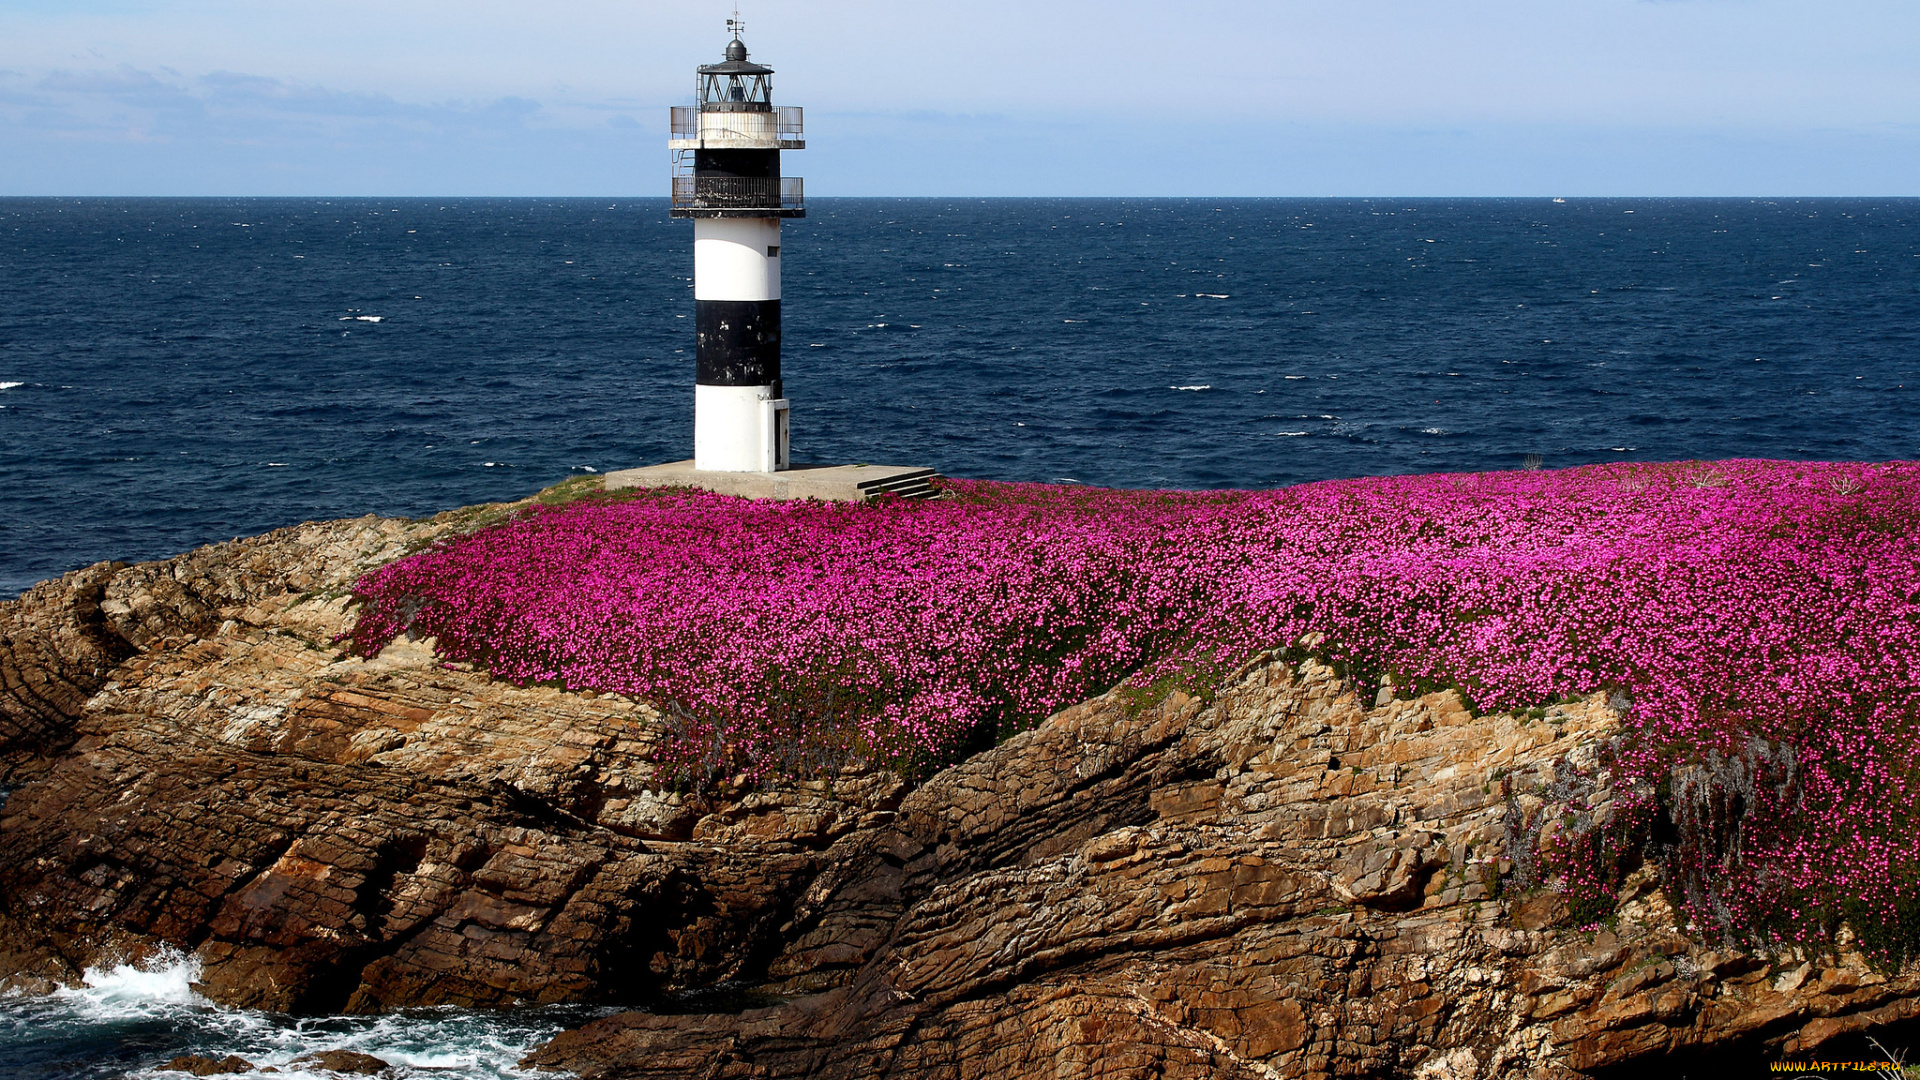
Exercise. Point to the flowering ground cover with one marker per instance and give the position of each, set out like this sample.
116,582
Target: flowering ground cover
1761,618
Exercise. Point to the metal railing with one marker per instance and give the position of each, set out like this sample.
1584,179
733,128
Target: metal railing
789,122
739,193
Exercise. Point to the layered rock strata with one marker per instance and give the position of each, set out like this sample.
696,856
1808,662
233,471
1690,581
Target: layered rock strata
1281,880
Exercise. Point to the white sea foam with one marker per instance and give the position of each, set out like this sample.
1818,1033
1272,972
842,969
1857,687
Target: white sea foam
1293,376
1433,431
10,385
361,318
1213,295
1201,386
1290,434
125,990
154,1002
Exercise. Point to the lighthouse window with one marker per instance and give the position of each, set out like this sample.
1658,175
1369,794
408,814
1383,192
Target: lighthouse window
773,251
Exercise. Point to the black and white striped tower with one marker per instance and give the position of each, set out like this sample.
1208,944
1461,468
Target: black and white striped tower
727,179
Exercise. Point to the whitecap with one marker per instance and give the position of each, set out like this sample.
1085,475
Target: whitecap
1290,434
1434,431
1293,376
131,990
361,318
10,385
1212,295
451,1043
1201,386
278,464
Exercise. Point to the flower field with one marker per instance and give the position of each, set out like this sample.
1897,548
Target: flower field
1762,617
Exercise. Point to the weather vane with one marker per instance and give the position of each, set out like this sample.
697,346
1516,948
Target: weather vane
734,25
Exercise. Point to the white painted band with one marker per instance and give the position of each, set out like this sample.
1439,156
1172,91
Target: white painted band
738,429
736,259
745,130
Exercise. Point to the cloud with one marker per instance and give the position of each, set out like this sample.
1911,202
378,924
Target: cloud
122,82
229,104
131,130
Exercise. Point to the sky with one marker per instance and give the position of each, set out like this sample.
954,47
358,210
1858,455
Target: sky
982,97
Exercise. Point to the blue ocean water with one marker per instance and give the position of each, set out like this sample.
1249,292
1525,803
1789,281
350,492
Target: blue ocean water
179,371
184,370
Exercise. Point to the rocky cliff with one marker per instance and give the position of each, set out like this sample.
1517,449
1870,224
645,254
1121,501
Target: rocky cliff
1288,877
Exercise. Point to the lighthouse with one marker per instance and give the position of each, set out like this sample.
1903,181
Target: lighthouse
726,177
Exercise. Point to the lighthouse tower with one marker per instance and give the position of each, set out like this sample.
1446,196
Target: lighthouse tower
726,177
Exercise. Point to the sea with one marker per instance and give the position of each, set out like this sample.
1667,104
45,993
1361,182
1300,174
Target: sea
180,371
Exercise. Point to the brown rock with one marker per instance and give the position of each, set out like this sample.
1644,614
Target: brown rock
344,1061
206,1066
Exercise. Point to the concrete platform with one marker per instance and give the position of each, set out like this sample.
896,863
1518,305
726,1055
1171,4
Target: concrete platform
828,483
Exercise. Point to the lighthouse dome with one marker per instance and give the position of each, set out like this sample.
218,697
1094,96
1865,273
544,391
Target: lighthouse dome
736,50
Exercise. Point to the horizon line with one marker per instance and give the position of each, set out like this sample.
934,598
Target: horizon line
1002,198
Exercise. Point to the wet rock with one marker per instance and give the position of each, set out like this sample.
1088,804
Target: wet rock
343,1061
199,1065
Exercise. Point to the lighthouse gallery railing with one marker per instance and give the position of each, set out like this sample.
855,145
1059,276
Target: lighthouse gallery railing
789,122
739,193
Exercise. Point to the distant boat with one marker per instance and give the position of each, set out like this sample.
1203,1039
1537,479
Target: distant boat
1559,200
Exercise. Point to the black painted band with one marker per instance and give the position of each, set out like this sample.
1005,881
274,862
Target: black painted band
739,342
752,163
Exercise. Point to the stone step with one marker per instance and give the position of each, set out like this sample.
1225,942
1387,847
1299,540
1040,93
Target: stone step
914,485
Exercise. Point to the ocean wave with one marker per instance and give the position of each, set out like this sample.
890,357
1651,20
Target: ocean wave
139,1016
136,990
10,385
1201,386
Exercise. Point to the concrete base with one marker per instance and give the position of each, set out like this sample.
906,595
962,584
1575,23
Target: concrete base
828,483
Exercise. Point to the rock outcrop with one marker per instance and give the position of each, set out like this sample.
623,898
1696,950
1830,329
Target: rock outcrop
1282,879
